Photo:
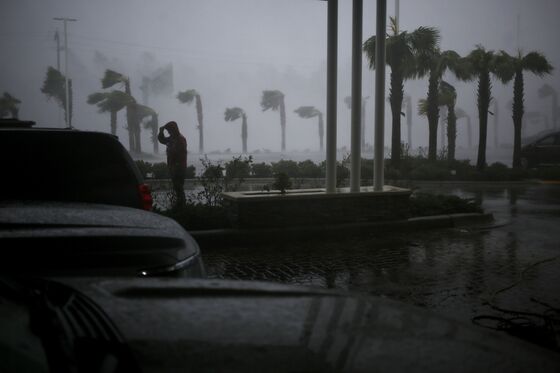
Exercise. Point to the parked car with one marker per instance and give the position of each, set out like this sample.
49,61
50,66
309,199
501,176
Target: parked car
54,164
544,150
48,238
71,203
87,325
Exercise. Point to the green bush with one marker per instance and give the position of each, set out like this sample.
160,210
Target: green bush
309,169
261,170
287,167
239,167
425,204
282,182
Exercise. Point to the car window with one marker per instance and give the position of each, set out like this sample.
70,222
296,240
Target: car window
65,166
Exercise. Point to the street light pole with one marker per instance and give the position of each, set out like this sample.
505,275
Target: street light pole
67,106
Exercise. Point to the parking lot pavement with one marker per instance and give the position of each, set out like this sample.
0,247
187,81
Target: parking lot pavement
453,271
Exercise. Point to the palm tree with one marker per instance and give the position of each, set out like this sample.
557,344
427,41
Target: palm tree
111,102
460,113
143,112
311,112
436,64
479,64
9,106
496,113
110,79
403,51
408,114
274,100
187,97
512,67
547,91
348,101
448,96
54,86
232,114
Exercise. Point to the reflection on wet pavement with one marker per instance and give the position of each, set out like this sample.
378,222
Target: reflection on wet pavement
453,271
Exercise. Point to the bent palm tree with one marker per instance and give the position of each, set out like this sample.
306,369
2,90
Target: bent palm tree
143,112
110,79
54,86
547,91
9,105
512,67
460,114
403,50
310,112
232,114
274,100
187,97
480,64
111,102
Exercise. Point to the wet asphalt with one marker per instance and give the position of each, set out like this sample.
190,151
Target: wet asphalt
511,265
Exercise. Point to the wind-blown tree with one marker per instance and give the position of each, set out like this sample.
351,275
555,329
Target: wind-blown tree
436,64
408,115
111,102
110,79
348,102
447,97
480,64
232,114
274,100
187,97
54,87
547,91
143,112
403,51
512,67
311,112
9,106
460,114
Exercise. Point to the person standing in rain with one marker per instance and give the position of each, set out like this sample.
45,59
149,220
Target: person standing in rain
176,158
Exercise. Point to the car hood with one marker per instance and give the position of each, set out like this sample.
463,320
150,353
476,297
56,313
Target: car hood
58,236
206,325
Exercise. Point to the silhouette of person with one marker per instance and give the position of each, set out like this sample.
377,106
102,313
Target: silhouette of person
176,158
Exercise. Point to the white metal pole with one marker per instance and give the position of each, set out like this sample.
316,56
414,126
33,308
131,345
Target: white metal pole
381,26
332,57
65,20
356,130
397,15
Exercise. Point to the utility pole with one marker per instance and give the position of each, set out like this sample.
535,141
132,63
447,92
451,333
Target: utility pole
397,15
67,106
57,39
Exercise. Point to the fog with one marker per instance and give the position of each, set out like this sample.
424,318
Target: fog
230,51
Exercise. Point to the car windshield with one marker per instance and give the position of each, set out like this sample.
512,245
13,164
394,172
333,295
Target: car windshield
393,149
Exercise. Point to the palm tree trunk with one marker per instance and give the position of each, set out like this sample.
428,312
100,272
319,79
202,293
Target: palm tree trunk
484,97
283,123
396,98
70,103
321,132
496,124
155,130
244,132
409,121
113,123
200,119
442,120
130,121
433,116
469,132
518,112
451,132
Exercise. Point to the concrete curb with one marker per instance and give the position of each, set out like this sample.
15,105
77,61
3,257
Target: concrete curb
235,237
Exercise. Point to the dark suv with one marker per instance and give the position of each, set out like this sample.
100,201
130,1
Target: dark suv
545,150
68,165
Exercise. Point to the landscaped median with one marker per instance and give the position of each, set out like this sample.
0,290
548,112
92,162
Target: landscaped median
234,237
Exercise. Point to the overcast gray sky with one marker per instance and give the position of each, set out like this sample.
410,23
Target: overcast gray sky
231,50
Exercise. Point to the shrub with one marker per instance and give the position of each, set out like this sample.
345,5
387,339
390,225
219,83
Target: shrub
239,167
425,204
282,182
261,170
289,168
309,169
